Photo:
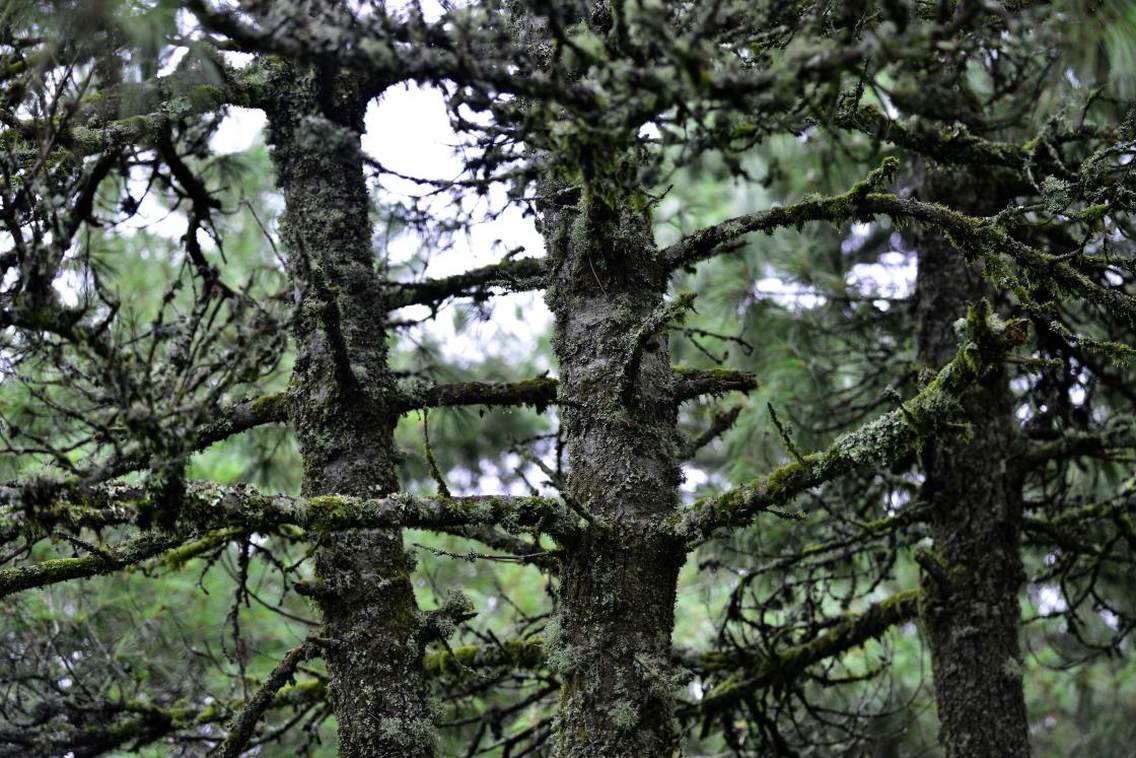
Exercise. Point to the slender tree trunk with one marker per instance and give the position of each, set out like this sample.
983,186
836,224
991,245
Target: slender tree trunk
613,641
342,415
970,609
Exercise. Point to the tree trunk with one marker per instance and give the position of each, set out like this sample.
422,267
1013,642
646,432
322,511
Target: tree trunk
970,608
612,644
341,411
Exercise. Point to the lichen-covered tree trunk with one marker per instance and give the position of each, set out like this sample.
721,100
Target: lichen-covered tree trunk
339,405
613,636
970,607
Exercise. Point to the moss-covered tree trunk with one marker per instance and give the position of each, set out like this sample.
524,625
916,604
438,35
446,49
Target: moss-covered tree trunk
970,607
340,407
612,643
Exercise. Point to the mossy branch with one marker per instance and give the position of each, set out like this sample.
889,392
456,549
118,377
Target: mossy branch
706,242
760,670
106,560
948,144
139,723
513,275
243,726
695,382
978,238
517,654
207,506
540,392
1076,531
1117,437
877,443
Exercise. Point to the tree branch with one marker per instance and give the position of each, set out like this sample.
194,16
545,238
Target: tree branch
206,506
241,730
787,665
949,144
525,654
514,275
979,238
705,242
103,727
104,560
227,422
877,443
719,425
1119,436
540,392
135,113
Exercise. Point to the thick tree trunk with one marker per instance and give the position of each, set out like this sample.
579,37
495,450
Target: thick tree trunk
612,644
343,418
970,607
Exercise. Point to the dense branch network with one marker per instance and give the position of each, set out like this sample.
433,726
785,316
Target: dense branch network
583,111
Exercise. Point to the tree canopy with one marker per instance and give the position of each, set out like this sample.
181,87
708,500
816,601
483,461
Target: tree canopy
740,378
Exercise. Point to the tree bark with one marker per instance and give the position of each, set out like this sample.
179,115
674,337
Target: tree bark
341,405
970,609
618,406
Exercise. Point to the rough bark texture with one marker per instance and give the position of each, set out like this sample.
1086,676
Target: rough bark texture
970,607
340,406
612,644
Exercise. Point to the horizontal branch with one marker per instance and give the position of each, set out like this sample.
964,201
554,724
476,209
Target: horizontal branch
240,417
540,392
695,382
170,550
759,668
1070,530
521,654
514,275
206,507
875,444
984,239
516,548
706,242
104,727
243,506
